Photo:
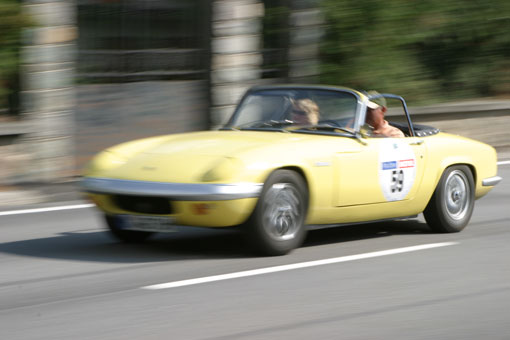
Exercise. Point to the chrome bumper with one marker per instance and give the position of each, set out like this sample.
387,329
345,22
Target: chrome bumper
176,191
491,181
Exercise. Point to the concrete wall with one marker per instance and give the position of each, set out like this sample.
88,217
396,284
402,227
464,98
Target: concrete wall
109,114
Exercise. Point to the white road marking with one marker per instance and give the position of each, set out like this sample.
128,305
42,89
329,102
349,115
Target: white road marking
504,163
268,270
38,210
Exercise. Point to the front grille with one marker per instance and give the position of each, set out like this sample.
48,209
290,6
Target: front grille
143,204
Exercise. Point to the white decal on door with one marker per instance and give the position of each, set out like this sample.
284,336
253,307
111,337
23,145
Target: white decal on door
397,169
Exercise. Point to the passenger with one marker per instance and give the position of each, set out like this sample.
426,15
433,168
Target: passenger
375,118
305,112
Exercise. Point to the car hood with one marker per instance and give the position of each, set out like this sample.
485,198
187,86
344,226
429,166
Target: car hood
210,156
218,143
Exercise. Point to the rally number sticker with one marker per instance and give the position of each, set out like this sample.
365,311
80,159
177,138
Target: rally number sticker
397,169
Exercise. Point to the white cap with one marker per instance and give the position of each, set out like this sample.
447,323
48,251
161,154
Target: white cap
372,105
377,102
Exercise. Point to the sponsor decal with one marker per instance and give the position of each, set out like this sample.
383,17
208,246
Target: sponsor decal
406,163
389,165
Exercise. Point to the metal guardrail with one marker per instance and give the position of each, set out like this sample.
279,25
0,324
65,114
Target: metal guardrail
484,120
10,128
475,115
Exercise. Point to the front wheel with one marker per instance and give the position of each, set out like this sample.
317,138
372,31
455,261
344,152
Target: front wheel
130,236
451,206
276,226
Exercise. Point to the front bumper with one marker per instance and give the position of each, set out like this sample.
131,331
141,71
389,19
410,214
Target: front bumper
204,205
491,181
175,191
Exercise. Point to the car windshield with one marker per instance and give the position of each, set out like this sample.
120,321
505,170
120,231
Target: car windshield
293,109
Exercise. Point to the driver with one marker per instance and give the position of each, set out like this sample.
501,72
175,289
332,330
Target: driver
305,112
375,118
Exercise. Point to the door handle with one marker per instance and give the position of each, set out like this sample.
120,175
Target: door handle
417,142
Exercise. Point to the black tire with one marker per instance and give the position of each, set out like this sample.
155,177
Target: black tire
130,236
276,226
452,203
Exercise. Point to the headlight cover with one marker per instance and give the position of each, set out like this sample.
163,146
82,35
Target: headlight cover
224,169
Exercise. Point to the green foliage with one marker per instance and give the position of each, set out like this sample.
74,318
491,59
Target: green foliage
11,23
275,30
430,49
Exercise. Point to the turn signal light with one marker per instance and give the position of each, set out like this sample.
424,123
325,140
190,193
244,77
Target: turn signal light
201,208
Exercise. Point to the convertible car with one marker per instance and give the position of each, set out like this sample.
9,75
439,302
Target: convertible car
276,176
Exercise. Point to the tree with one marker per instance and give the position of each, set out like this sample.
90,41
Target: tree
12,21
430,49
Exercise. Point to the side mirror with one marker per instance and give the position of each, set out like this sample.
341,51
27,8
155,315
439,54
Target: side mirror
366,130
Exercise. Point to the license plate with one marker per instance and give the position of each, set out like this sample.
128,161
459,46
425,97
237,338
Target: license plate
149,223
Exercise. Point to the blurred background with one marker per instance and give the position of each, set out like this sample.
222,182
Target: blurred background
79,76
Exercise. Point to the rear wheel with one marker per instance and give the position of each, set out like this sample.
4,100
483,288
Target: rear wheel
451,206
132,236
277,223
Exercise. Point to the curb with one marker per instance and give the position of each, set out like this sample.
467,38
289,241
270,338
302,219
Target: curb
27,194
21,197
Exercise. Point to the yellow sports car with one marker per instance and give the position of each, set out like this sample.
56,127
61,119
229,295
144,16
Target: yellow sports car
293,158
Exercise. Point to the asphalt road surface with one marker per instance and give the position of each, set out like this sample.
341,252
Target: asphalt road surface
63,277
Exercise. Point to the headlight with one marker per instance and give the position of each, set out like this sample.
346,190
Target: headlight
223,170
105,160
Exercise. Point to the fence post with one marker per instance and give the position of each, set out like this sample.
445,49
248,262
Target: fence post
236,57
305,24
47,84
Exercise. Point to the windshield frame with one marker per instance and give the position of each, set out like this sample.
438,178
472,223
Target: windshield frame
404,107
358,116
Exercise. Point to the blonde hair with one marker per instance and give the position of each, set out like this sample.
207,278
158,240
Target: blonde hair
309,106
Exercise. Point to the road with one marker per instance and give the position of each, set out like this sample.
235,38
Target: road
62,277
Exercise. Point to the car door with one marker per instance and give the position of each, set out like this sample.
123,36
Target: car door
380,170
357,175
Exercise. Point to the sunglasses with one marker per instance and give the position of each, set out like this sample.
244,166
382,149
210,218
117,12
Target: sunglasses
299,112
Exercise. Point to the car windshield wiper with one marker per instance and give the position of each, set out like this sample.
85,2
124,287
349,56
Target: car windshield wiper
228,128
280,124
264,124
322,127
327,127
